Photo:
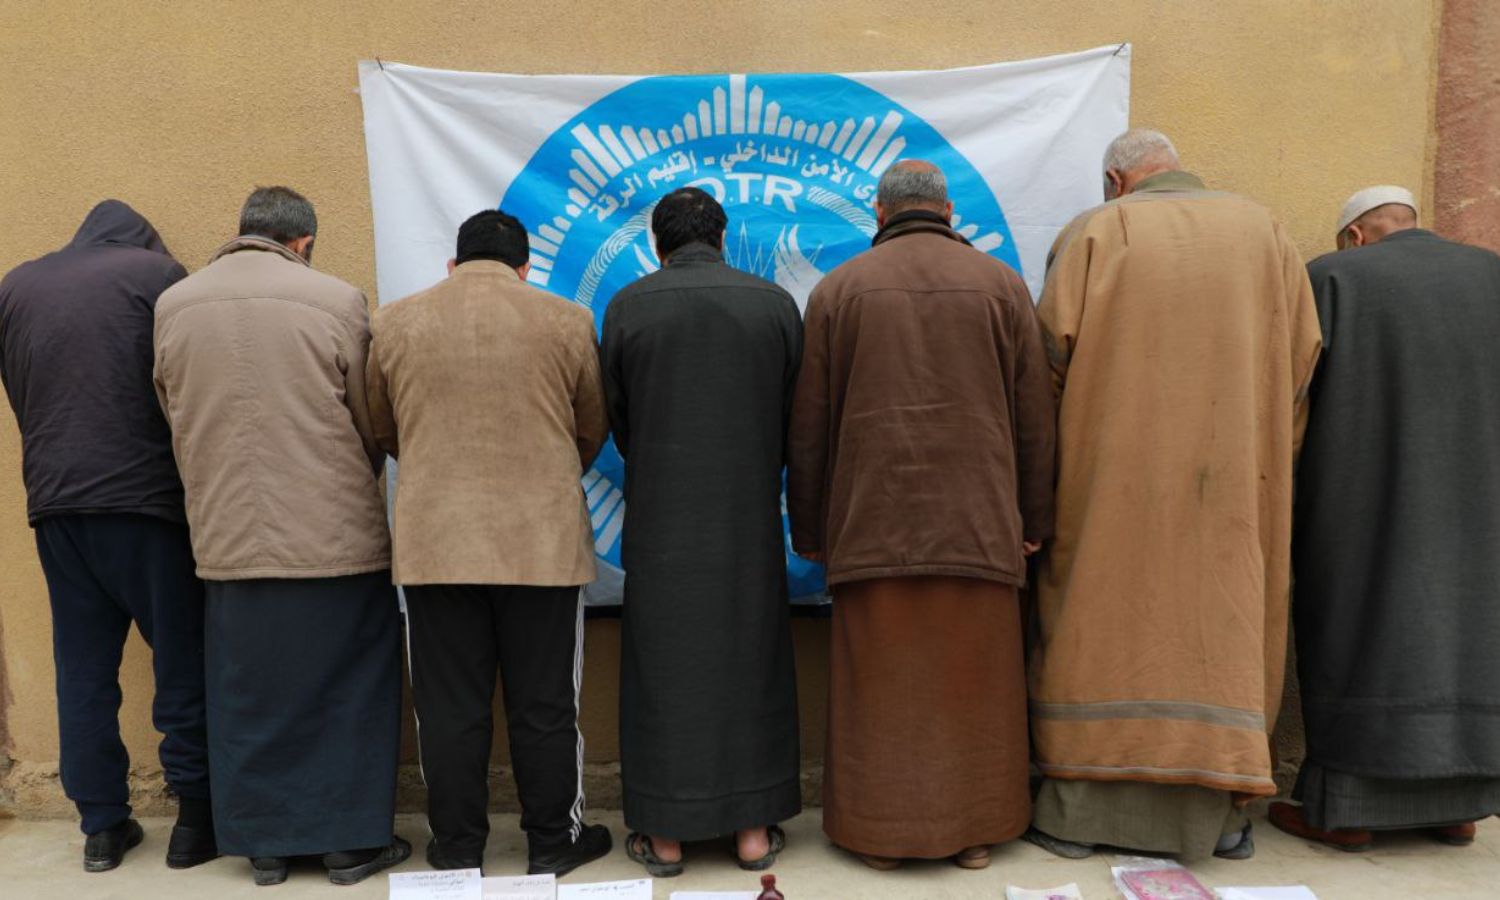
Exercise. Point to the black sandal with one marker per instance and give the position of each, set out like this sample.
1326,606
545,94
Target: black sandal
777,839
638,847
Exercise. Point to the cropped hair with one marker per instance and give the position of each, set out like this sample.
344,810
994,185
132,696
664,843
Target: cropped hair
493,234
685,216
278,213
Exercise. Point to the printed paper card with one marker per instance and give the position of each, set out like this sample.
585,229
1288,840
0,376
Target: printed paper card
1066,892
454,884
606,890
520,887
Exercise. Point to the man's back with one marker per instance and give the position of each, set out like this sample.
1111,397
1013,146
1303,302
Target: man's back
939,415
1397,537
486,380
75,354
256,355
705,357
1182,329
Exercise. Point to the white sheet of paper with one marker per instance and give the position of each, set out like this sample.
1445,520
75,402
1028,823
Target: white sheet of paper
715,895
520,887
613,890
1296,892
454,884
1065,892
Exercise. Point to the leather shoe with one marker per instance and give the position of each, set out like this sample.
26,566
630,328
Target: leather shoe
1289,819
269,870
191,847
394,855
106,849
437,858
1461,835
593,842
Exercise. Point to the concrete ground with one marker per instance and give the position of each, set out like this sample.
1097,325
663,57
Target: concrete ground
40,860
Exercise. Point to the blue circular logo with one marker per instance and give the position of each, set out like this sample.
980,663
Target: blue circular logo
795,160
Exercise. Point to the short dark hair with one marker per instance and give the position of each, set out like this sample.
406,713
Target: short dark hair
684,216
493,234
278,213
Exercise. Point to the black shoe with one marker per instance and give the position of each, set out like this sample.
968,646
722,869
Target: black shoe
593,842
394,855
438,859
269,870
105,850
1057,846
191,847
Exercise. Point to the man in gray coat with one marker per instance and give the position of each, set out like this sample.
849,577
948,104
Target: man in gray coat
1396,540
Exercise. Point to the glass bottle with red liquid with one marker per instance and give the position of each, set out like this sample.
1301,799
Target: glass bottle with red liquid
768,889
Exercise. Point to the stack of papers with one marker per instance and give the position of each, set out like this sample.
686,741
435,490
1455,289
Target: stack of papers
454,884
1158,879
715,895
1297,892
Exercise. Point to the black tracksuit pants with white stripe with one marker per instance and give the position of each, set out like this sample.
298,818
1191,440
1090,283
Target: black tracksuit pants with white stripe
457,637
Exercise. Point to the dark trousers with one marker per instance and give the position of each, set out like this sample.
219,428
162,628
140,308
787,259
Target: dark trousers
103,572
457,636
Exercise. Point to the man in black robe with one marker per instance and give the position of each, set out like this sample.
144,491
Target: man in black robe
1396,543
699,362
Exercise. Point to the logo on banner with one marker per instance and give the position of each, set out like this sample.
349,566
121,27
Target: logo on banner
794,159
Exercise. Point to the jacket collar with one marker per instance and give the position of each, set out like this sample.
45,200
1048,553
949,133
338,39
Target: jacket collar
696,252
255,242
1171,181
1407,234
916,221
487,266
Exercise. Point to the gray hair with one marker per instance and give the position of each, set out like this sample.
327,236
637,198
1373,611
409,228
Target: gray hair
278,213
912,182
1140,147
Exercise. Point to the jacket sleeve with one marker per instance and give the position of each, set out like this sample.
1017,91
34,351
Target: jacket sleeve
1060,311
158,372
808,440
590,423
1036,420
378,400
793,331
612,369
1306,335
357,351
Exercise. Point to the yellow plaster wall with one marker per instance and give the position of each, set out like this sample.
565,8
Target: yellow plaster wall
180,107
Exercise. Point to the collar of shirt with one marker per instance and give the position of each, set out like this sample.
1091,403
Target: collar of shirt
696,252
916,221
1171,181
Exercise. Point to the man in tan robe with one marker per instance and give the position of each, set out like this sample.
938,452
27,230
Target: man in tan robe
919,467
1182,334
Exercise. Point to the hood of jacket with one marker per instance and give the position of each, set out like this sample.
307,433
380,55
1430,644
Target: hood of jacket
114,222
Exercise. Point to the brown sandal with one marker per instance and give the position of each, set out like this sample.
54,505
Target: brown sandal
977,857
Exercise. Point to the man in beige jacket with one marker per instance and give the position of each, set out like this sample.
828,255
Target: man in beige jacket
488,390
260,370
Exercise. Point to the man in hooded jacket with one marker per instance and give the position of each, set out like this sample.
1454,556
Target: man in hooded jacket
106,503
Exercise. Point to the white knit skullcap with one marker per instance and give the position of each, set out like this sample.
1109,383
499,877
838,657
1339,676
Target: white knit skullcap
1371,197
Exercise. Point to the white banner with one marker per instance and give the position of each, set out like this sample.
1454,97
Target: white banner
794,158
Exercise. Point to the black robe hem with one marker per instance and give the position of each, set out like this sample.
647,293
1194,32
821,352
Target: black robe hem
711,817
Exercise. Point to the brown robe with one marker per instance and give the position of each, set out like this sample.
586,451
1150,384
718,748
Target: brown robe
1182,333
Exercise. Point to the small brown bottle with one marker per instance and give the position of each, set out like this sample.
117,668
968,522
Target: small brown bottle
768,889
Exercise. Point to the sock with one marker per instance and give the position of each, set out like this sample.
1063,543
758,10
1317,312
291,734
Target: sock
195,812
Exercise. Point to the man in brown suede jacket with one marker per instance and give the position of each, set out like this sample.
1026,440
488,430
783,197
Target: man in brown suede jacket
920,470
488,391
